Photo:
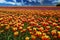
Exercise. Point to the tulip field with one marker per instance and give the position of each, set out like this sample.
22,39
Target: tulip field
29,24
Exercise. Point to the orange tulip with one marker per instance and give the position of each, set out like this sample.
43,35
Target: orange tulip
1,19
59,20
7,27
58,27
20,28
58,34
14,29
38,33
53,32
47,27
45,37
31,33
41,29
55,24
16,33
30,30
1,31
33,37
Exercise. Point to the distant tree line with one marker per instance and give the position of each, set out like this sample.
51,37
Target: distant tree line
58,4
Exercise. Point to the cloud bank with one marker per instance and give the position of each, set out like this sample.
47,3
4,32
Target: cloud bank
56,1
20,3
11,3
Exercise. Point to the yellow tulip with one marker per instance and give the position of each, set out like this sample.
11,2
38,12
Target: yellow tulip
27,38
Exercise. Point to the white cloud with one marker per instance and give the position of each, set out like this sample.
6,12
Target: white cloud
14,0
2,1
34,0
41,1
10,3
30,0
56,1
13,3
18,4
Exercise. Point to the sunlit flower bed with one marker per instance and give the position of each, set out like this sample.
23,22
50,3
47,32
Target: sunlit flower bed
30,25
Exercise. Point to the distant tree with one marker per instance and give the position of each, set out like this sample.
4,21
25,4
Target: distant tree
58,4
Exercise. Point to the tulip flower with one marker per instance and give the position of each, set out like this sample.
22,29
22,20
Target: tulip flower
33,37
48,27
20,28
58,27
27,38
58,34
1,31
14,29
59,20
7,27
16,33
41,24
55,24
1,19
53,32
41,29
38,33
45,37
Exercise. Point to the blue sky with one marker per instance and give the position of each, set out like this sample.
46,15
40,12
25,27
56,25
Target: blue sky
29,2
